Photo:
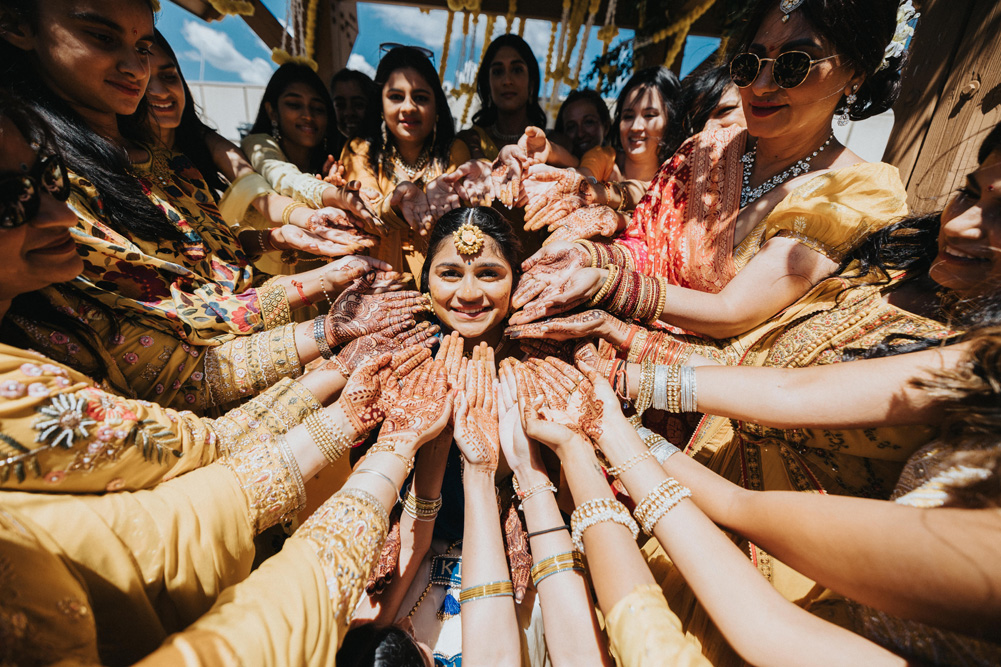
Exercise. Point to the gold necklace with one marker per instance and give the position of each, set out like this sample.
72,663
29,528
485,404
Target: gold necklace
411,170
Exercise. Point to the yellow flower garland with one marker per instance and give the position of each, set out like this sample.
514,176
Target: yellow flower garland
512,7
232,7
310,35
448,43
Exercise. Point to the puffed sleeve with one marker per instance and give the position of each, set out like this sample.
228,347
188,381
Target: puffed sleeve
644,632
833,212
269,161
240,195
295,608
62,434
600,161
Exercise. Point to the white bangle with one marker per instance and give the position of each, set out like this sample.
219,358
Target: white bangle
599,510
660,387
689,392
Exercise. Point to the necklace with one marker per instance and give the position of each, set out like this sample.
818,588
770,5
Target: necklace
411,170
749,194
505,138
160,168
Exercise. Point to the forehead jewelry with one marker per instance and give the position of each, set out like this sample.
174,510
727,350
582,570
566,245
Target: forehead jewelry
787,7
468,239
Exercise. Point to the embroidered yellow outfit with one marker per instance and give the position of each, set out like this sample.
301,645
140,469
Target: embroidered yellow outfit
164,574
61,434
201,289
834,317
396,247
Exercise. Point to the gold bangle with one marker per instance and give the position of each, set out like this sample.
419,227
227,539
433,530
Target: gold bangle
421,509
591,250
387,448
287,213
661,302
664,498
613,271
637,346
645,397
274,306
492,590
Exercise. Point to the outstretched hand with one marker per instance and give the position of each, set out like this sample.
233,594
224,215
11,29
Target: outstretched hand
475,413
579,325
585,223
552,196
358,312
420,411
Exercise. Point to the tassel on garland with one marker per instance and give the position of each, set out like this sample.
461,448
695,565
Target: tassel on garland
450,605
447,571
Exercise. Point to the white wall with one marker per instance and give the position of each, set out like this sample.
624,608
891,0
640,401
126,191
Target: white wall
227,106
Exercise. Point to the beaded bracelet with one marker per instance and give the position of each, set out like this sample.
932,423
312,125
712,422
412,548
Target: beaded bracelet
658,445
569,560
320,336
328,436
659,502
421,509
531,491
616,471
492,590
599,510
385,447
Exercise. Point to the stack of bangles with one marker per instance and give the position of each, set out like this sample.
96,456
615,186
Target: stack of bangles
492,590
631,294
644,399
329,438
599,510
664,498
603,254
674,389
421,509
563,562
655,443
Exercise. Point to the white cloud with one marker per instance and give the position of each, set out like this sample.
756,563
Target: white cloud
358,63
217,48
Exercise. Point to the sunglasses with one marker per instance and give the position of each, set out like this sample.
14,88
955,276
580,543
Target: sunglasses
386,47
21,194
790,69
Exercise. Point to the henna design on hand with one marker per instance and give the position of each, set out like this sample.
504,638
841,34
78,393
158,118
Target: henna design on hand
586,223
552,195
547,268
421,404
357,312
578,325
475,416
382,574
359,400
516,545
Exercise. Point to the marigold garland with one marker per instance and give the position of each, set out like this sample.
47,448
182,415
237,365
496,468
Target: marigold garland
232,7
448,43
310,34
512,7
679,29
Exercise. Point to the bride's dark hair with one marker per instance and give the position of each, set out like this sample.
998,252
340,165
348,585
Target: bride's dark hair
492,223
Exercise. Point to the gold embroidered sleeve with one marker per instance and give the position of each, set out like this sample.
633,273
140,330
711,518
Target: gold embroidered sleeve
248,365
269,161
274,306
321,573
271,479
266,416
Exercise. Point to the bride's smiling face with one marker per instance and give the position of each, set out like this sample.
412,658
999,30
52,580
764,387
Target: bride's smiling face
471,293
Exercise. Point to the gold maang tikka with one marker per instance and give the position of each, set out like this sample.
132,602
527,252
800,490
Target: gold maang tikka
468,239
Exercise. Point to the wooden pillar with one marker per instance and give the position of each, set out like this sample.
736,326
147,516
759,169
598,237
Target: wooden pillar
951,96
336,30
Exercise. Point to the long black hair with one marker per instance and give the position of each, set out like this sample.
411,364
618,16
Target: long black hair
285,76
700,95
369,645
668,88
859,31
33,308
370,123
487,113
490,222
87,154
189,137
441,138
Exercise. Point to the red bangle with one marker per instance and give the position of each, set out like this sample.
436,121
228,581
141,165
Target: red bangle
302,295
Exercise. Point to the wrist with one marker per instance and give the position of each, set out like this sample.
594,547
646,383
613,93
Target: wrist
529,475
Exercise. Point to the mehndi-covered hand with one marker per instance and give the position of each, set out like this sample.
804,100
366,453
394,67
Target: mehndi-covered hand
420,412
585,223
443,196
359,400
357,312
506,176
553,297
324,242
347,198
392,377
339,274
549,266
357,351
412,205
579,325
475,413
552,196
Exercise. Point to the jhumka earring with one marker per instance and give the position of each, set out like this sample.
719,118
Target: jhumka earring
843,116
275,132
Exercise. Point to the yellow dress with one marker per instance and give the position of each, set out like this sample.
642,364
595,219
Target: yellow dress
165,574
201,289
600,161
834,317
59,433
644,632
402,249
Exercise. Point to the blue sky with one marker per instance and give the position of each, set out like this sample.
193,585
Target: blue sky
229,51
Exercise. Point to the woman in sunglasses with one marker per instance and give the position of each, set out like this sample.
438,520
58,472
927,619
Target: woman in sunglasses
739,225
416,145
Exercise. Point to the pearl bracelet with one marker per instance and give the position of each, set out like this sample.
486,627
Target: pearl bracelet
659,502
599,510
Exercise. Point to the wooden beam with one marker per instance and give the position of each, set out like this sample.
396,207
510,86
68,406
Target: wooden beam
951,94
265,25
543,10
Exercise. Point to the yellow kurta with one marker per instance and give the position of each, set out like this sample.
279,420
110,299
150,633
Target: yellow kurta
59,433
402,249
644,632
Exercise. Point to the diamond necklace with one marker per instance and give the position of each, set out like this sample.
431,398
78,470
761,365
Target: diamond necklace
749,194
410,170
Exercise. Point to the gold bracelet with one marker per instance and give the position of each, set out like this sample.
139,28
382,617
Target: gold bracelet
645,396
637,346
492,590
661,302
323,431
274,306
591,250
287,213
569,560
421,509
613,271
388,448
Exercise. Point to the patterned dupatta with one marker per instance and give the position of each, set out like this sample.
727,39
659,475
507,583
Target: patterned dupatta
683,227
